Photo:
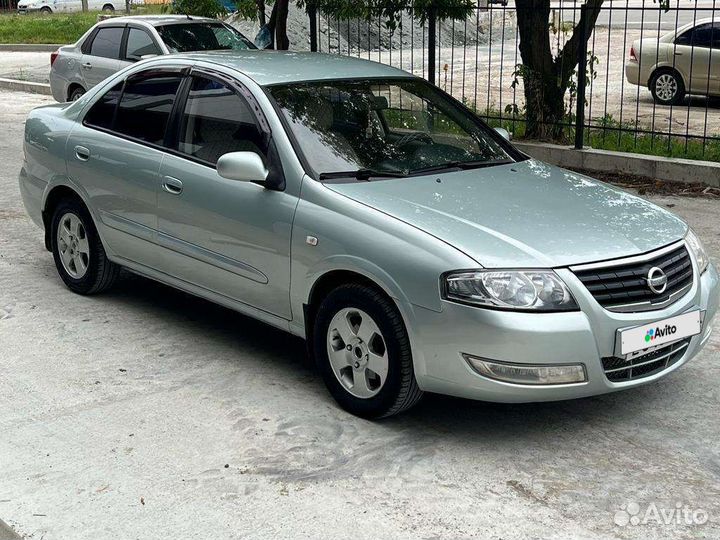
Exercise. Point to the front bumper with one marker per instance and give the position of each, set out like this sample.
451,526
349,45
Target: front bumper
583,337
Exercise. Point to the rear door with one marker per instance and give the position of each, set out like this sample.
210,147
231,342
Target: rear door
696,59
115,154
101,54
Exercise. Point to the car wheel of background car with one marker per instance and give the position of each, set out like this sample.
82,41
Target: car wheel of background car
108,8
363,352
78,252
77,93
667,87
45,10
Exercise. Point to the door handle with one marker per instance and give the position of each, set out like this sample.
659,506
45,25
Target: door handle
87,65
172,185
678,53
82,153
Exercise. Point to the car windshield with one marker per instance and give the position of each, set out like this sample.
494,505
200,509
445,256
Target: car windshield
394,128
189,37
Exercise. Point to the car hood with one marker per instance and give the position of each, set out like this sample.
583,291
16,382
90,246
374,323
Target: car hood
526,214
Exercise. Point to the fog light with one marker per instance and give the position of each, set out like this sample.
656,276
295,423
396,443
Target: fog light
527,373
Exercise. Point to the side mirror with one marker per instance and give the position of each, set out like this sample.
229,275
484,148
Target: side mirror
242,166
504,133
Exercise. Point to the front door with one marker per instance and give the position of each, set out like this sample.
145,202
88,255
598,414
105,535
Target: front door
229,237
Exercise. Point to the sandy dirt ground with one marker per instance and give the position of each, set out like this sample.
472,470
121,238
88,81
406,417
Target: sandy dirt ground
147,413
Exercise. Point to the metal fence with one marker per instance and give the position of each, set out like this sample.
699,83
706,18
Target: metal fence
8,5
476,60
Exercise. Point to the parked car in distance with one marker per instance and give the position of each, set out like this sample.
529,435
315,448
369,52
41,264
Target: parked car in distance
67,6
116,43
367,211
684,61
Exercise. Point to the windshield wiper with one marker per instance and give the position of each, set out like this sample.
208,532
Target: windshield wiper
361,174
464,165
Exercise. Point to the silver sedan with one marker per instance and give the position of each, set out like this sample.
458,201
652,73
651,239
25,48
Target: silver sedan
684,61
367,211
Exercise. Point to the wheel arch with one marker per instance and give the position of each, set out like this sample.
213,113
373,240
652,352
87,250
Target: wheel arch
71,88
52,199
661,68
330,280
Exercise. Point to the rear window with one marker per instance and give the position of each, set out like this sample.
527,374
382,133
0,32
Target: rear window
106,43
203,37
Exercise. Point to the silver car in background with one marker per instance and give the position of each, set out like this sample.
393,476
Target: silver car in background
684,61
365,210
115,43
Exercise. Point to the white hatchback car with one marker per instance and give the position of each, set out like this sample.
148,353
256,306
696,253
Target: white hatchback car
684,61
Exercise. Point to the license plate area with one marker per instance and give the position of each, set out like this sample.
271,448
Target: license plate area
632,342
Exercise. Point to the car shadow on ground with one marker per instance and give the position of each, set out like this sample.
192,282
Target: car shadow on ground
435,413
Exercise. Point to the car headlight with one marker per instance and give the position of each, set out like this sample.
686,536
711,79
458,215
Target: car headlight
526,290
698,250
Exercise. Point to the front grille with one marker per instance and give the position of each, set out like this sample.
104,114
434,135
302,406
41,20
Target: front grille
619,369
623,286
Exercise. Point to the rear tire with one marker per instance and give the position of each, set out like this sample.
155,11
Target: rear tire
667,87
371,371
77,93
79,255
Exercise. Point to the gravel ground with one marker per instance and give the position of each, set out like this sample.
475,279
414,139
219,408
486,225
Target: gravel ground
146,413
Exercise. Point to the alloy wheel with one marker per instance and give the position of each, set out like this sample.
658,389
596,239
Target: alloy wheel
666,87
357,352
73,246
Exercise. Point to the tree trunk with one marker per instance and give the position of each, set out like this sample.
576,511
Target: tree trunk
261,11
547,78
282,43
272,23
84,4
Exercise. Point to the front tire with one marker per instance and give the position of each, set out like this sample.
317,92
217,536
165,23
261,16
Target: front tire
363,352
108,8
79,255
667,87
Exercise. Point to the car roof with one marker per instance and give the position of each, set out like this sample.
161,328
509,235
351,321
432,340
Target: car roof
275,67
158,20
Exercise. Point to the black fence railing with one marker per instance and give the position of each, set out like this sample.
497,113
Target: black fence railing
648,80
8,5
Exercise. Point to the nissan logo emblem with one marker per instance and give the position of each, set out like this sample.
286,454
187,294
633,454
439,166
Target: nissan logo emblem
656,280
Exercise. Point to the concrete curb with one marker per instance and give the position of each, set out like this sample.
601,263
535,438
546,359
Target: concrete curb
6,533
25,86
656,167
28,47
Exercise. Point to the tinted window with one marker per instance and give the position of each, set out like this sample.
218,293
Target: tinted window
203,37
107,43
139,43
700,36
101,114
145,107
217,121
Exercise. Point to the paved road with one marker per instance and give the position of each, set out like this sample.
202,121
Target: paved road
145,413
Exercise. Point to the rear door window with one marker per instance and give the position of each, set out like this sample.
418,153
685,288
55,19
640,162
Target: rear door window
145,107
106,43
102,113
